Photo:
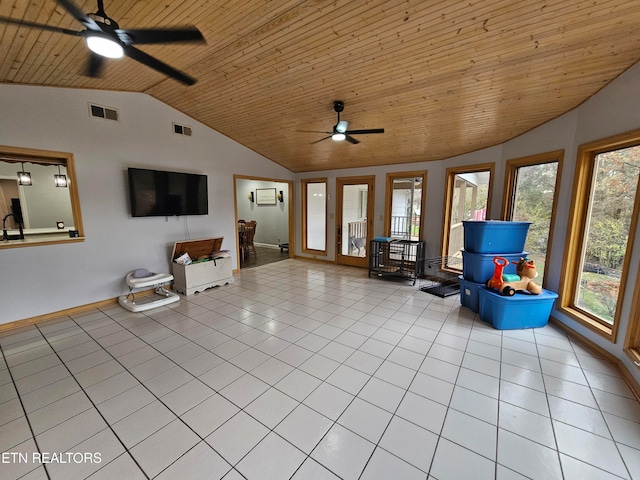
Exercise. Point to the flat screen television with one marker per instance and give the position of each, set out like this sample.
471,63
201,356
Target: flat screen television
157,193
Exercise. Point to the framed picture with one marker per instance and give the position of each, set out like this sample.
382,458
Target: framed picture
265,196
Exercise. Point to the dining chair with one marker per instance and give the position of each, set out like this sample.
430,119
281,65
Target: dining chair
250,233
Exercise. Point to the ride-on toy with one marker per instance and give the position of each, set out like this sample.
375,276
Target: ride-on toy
509,284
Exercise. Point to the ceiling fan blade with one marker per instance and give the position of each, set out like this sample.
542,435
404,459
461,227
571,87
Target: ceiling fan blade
350,139
370,130
156,64
314,131
160,35
317,141
95,65
79,15
41,26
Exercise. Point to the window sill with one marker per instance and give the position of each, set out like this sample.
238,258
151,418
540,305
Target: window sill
36,241
634,355
588,322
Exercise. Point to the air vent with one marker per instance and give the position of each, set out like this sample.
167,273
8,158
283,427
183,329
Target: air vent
103,112
181,129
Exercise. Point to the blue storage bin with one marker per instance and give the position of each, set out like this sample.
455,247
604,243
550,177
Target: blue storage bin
494,236
479,267
523,310
469,294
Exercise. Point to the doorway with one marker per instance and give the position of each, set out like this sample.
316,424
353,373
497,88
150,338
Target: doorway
354,220
269,203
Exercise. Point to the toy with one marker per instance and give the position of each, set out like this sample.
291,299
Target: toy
509,284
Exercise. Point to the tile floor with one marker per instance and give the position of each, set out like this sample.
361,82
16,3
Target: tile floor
265,255
308,371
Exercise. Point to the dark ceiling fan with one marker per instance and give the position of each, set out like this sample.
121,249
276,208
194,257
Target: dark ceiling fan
106,39
340,129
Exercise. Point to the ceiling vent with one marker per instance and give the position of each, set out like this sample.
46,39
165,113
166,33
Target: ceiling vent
182,129
103,112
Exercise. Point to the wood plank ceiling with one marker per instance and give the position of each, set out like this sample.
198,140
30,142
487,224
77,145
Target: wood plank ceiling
442,78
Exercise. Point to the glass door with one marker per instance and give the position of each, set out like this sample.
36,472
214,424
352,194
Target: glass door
354,220
404,204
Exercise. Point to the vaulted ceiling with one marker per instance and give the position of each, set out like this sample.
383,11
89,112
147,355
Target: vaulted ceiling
442,78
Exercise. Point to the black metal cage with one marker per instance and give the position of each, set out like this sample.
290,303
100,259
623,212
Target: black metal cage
397,258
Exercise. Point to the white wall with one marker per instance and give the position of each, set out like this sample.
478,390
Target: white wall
44,279
612,111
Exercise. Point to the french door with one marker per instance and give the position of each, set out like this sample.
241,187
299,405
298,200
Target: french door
354,219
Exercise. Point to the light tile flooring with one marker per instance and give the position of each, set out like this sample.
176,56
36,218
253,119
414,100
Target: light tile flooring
309,371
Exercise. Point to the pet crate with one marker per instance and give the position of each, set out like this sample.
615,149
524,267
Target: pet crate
402,259
440,276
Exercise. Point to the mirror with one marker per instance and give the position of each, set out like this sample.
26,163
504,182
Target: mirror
45,211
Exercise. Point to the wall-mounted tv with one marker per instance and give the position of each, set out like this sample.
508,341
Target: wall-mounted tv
159,193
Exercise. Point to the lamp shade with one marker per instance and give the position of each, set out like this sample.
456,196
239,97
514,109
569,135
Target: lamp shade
24,178
60,179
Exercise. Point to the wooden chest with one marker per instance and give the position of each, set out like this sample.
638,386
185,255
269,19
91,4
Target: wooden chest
200,275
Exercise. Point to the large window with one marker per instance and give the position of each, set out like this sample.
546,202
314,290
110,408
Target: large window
314,215
601,230
529,196
404,205
467,198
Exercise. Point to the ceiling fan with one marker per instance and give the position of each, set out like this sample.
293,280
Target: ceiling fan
340,131
106,39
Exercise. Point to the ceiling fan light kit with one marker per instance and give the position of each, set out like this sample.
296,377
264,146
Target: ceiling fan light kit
338,137
104,46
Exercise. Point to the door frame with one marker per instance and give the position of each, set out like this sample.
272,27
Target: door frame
370,180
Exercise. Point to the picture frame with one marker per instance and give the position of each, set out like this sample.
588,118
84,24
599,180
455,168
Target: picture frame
266,196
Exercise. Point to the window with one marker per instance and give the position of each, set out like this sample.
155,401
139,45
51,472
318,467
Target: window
314,215
530,186
604,216
404,205
47,214
467,198
362,204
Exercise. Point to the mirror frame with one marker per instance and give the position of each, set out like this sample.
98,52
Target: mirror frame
47,157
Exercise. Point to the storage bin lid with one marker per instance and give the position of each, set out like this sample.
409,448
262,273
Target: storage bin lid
493,223
197,248
519,296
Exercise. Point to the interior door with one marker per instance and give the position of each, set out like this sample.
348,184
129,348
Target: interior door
354,219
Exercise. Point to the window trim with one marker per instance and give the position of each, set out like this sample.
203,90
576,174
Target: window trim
632,340
304,182
448,198
509,191
389,198
581,193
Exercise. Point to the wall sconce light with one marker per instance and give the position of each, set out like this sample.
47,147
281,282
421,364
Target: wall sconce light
24,178
60,179
281,196
250,197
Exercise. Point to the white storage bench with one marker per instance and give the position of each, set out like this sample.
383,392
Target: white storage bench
197,277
